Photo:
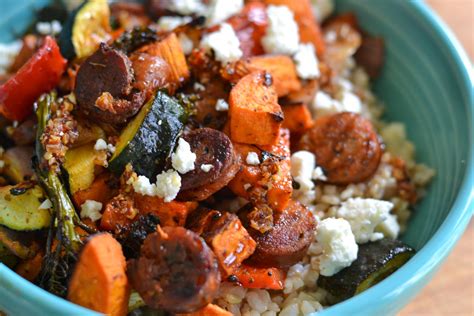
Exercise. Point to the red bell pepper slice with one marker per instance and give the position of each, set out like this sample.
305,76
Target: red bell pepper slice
41,73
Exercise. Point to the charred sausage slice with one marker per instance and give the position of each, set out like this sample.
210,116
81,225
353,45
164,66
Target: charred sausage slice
214,148
287,242
346,147
104,85
176,271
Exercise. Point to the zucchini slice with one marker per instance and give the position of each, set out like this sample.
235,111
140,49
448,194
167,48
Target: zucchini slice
18,162
19,208
375,261
80,167
150,137
85,29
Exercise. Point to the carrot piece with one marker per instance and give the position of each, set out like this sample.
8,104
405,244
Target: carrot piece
270,182
208,310
30,268
309,29
172,213
99,280
261,278
170,50
101,190
297,118
255,115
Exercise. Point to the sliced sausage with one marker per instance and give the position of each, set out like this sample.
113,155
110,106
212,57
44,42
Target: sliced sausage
346,147
176,271
370,55
151,72
214,148
287,242
104,86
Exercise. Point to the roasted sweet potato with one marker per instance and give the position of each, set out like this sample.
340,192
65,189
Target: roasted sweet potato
102,190
269,182
255,115
208,310
30,268
118,212
309,30
298,118
282,69
260,278
99,281
225,234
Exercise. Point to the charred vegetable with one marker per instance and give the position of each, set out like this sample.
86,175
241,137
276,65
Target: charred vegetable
375,261
63,241
131,237
18,162
22,244
20,207
7,257
86,27
150,137
134,39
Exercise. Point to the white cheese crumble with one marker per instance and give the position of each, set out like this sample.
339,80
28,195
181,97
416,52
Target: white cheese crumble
8,52
282,35
45,205
324,104
49,28
183,158
91,209
187,7
221,10
318,174
389,227
206,167
364,215
168,184
307,65
169,23
350,102
252,158
101,144
199,87
222,105
142,185
338,244
186,43
302,167
224,43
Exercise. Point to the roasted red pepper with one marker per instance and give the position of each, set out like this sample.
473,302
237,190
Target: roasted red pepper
40,74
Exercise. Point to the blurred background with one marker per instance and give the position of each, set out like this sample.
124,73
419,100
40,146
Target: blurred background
451,292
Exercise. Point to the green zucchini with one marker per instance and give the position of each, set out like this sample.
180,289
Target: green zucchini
18,163
375,261
19,207
86,27
79,165
150,137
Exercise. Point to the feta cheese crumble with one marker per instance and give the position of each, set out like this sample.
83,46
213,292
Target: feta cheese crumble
186,43
302,167
169,23
91,209
206,167
49,28
324,104
364,215
338,244
168,184
222,105
101,144
199,87
183,158
142,185
45,205
220,10
187,7
307,65
224,43
252,158
282,35
389,227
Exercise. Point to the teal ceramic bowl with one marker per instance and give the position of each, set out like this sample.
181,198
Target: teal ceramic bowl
427,83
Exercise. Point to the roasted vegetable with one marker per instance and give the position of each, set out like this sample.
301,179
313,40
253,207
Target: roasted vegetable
132,236
259,278
79,165
85,28
7,257
208,310
20,207
150,137
101,190
22,244
18,163
39,75
375,261
99,281
134,39
298,118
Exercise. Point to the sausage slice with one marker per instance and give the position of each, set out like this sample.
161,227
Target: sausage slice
214,148
176,271
346,147
104,86
287,242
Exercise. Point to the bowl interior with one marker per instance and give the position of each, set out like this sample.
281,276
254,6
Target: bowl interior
425,85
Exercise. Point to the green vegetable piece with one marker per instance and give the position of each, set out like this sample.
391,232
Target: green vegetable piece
149,139
375,261
20,208
85,29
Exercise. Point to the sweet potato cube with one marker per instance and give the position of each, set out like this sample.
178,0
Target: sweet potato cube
255,115
298,118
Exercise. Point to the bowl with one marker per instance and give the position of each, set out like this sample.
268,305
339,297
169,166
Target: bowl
427,83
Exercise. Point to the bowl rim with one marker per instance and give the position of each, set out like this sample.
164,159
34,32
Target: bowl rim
424,263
